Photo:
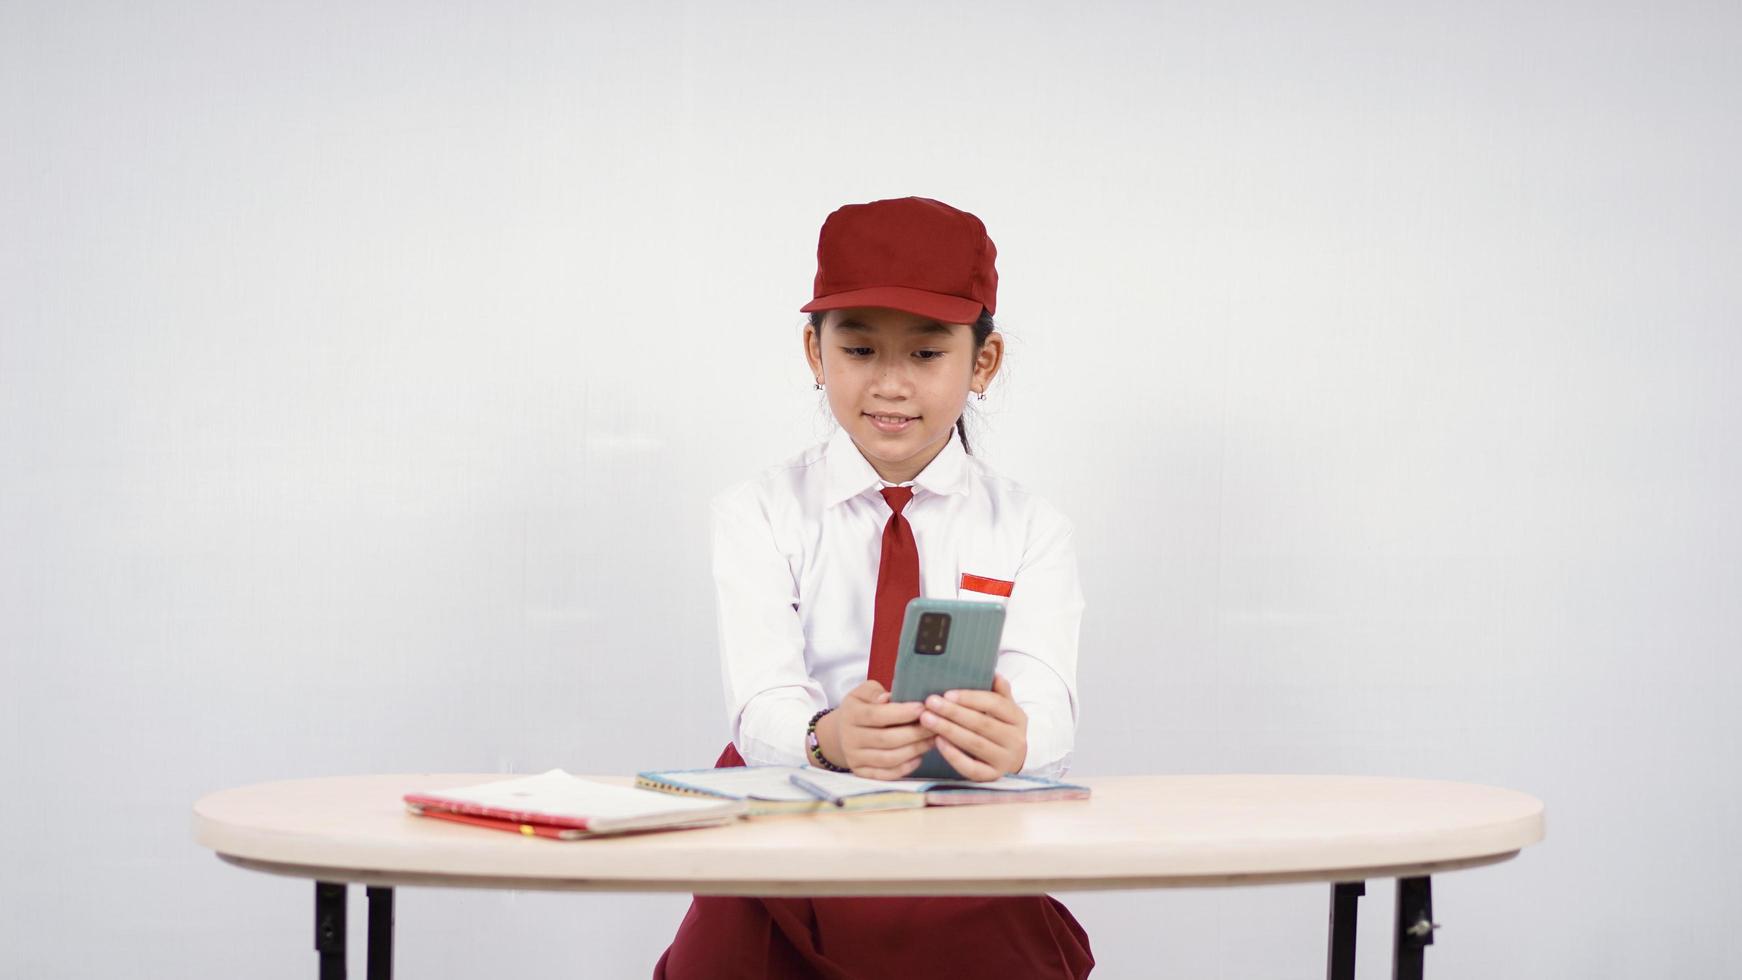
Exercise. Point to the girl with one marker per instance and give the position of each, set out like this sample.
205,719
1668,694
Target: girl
814,563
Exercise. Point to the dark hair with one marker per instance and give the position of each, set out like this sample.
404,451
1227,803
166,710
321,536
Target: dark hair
983,328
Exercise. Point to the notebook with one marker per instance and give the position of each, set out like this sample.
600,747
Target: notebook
769,789
562,806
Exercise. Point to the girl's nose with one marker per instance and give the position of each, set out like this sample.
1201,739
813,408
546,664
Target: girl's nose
891,378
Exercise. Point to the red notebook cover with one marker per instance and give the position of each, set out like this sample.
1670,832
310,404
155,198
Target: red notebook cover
497,823
494,812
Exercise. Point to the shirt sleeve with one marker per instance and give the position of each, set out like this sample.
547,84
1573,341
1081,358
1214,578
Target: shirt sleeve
770,696
1038,655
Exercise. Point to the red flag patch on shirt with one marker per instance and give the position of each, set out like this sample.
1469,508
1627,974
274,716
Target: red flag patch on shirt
990,586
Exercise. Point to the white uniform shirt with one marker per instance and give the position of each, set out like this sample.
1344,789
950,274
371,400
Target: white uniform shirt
795,554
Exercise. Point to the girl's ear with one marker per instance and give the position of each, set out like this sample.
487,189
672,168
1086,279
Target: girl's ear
813,352
987,362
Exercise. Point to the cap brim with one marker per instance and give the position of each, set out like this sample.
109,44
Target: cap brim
939,306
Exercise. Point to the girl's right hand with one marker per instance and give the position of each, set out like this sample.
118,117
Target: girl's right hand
873,737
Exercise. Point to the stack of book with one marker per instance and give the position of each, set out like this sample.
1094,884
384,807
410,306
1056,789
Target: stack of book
560,806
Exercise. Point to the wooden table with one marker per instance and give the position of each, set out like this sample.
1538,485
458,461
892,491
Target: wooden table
1136,832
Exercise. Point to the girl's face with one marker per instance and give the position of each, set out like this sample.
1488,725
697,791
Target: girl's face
897,381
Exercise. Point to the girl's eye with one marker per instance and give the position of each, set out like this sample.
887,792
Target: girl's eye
924,355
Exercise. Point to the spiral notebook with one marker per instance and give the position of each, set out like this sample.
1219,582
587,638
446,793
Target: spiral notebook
769,789
562,806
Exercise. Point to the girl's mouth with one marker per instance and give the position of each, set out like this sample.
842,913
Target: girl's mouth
891,423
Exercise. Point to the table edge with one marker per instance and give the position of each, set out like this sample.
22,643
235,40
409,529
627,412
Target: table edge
834,887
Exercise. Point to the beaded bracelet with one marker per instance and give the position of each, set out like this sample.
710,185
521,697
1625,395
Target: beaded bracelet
815,747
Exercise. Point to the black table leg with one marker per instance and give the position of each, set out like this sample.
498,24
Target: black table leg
380,933
330,929
1415,927
1344,898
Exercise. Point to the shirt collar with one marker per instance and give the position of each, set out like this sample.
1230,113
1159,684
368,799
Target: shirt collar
848,473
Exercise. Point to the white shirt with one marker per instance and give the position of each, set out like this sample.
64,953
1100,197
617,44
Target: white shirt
795,554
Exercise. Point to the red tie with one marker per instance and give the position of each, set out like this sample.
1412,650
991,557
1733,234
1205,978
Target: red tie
897,582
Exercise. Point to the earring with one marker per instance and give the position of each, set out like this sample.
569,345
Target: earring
981,394
819,386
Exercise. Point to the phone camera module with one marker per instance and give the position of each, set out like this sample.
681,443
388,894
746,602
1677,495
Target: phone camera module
933,634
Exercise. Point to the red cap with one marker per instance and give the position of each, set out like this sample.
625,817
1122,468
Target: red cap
906,253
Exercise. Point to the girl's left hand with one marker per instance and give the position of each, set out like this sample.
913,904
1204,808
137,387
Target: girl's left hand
983,734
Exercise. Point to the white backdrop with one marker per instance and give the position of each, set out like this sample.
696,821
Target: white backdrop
365,370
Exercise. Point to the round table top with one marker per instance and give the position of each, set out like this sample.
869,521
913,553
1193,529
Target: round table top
1135,832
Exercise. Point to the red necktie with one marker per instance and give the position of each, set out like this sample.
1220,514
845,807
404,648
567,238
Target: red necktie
897,582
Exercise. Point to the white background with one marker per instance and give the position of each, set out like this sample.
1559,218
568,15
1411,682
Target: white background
365,370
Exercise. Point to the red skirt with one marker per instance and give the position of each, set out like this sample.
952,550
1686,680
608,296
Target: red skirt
914,938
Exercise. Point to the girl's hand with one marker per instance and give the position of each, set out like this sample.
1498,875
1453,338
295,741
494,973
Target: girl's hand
873,737
982,733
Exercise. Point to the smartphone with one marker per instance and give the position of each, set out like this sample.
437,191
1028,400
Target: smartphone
946,645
